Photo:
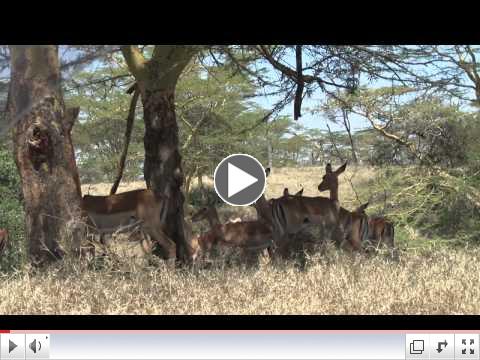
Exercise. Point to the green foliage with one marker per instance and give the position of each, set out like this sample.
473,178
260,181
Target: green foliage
201,197
429,204
11,210
99,134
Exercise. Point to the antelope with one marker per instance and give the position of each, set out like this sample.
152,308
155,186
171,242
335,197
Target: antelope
112,213
287,194
354,224
290,214
3,240
377,230
248,235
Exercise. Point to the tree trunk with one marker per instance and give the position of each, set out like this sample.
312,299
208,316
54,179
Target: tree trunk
156,80
163,163
44,152
270,155
346,123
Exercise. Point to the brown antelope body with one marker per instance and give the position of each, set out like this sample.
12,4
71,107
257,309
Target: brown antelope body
290,214
110,213
249,235
381,232
357,227
3,240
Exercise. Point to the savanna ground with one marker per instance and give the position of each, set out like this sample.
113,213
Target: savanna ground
433,274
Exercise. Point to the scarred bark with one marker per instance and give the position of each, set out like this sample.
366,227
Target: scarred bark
156,81
163,163
44,152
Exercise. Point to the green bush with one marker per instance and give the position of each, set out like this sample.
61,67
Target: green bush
11,212
207,196
433,203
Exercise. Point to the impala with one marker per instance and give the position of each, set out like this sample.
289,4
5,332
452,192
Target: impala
3,240
248,235
353,225
112,213
378,230
290,214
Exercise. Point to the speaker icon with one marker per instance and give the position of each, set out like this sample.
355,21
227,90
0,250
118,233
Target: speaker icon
35,346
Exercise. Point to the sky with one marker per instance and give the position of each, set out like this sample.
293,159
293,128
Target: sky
312,120
308,120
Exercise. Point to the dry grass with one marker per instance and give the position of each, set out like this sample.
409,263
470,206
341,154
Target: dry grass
440,283
434,281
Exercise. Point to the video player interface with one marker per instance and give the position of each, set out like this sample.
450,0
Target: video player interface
239,345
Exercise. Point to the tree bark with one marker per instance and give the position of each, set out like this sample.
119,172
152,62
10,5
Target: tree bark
157,79
270,154
163,163
346,123
44,152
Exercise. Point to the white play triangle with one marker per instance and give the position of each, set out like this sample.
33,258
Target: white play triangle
238,180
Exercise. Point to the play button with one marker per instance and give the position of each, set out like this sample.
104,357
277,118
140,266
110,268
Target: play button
239,179
11,346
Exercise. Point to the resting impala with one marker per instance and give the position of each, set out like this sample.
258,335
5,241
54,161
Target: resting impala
378,230
110,213
290,214
248,235
3,240
353,224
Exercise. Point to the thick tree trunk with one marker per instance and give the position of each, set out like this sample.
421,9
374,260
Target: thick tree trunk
44,152
156,80
163,163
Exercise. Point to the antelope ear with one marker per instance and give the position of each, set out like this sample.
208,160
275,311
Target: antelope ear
267,172
285,192
299,193
341,169
362,208
328,168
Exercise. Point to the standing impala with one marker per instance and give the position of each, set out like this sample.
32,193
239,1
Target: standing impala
378,229
110,213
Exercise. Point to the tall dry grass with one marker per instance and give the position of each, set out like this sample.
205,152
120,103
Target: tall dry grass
434,281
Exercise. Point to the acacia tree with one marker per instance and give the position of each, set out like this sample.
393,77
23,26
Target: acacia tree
156,79
43,151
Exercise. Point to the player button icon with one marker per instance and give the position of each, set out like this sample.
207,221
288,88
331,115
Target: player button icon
12,346
466,346
442,346
417,346
239,179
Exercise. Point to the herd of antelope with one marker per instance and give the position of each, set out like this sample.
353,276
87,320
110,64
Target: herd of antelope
278,221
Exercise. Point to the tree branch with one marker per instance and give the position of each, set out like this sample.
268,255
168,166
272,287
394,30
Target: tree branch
135,61
128,135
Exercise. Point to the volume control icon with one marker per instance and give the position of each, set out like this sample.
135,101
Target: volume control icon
35,346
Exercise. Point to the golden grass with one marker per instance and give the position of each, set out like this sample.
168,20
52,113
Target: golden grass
433,282
440,283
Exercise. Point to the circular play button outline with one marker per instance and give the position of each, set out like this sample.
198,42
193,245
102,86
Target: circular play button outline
261,174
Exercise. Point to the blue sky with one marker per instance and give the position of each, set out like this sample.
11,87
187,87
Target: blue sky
308,120
312,120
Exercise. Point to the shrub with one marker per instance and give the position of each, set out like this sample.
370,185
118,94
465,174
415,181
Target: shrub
11,212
